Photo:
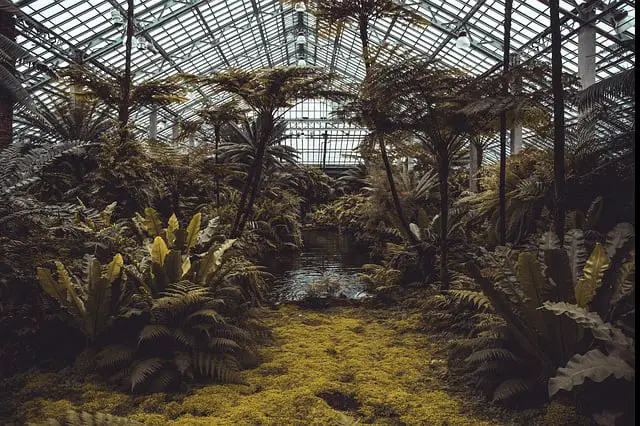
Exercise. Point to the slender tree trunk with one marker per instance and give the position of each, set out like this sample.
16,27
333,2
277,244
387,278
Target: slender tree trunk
364,38
254,194
7,29
443,175
123,112
254,177
558,118
216,129
502,229
394,193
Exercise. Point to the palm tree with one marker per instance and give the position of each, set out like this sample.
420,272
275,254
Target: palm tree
269,93
364,12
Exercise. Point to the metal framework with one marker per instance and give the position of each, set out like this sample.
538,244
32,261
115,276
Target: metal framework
201,36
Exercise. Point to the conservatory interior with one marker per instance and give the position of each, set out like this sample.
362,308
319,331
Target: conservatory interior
318,212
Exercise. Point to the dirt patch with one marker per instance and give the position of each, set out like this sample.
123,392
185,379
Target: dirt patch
340,401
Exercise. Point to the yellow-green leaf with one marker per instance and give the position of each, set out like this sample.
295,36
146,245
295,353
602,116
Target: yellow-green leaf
186,266
591,278
159,251
152,222
114,267
50,286
192,231
530,277
65,282
212,260
172,226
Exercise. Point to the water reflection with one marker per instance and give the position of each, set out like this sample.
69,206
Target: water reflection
326,256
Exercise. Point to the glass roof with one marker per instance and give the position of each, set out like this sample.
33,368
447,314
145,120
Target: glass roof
201,36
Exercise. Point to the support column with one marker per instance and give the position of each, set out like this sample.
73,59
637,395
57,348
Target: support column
7,29
587,53
474,166
515,139
153,123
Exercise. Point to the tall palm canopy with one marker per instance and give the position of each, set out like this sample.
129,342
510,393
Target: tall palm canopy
204,36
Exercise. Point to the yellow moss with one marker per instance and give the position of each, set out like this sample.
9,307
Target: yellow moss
40,381
150,419
373,363
106,402
40,409
559,414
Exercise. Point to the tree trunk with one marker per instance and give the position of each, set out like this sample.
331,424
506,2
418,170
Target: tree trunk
123,111
364,38
443,175
558,118
502,228
253,179
7,29
254,194
394,193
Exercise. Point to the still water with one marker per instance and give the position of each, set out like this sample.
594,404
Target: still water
327,256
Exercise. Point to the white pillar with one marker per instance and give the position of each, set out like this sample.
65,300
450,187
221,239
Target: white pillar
473,168
153,123
515,139
587,54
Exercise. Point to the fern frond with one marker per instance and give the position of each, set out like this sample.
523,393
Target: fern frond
475,298
491,354
510,388
144,370
114,355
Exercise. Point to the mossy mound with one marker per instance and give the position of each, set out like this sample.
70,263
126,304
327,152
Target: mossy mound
333,367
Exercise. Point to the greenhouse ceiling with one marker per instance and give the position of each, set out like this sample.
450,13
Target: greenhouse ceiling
201,36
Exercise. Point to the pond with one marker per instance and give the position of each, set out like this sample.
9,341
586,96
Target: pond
328,261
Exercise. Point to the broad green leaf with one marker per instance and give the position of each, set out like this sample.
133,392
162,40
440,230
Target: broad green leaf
152,222
617,238
192,231
591,278
172,226
186,267
159,251
593,365
98,305
114,267
50,286
173,265
532,281
576,251
212,260
65,281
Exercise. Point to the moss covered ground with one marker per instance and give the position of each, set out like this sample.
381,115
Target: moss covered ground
338,366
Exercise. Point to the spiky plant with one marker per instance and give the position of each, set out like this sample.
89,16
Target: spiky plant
65,120
200,310
528,340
